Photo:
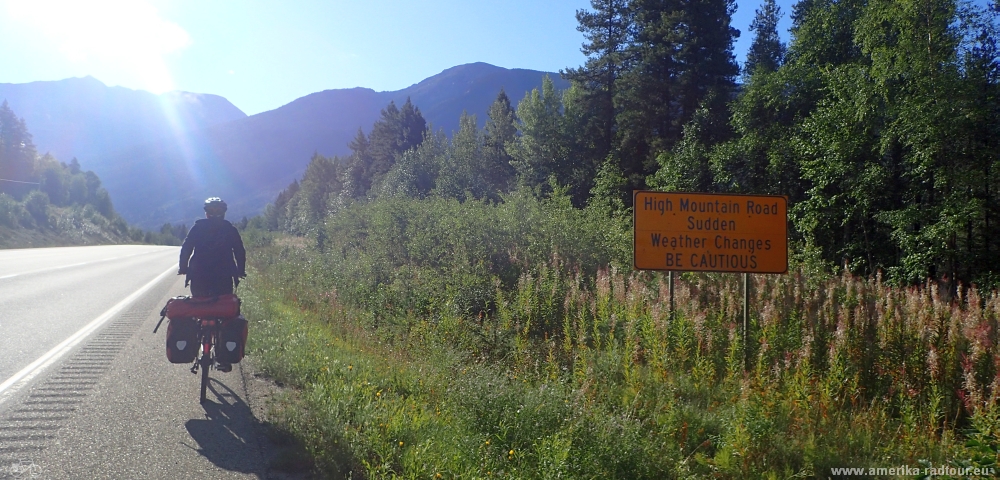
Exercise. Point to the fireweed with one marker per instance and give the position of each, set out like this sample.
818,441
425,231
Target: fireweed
587,375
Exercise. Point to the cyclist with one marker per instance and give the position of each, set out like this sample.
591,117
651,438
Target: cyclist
219,257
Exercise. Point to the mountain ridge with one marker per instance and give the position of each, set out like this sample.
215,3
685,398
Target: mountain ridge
161,175
81,117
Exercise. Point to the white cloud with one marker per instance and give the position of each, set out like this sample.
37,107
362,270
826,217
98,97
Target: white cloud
127,35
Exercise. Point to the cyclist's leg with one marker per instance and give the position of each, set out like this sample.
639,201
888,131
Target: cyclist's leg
222,286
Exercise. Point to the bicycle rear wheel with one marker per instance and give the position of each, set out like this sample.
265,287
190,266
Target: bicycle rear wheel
204,377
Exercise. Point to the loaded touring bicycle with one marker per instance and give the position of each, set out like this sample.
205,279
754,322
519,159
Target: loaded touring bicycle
207,332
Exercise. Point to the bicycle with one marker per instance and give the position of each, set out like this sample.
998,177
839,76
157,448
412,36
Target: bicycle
208,335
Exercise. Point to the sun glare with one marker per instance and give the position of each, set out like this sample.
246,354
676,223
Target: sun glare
128,36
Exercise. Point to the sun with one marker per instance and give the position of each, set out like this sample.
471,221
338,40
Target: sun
126,36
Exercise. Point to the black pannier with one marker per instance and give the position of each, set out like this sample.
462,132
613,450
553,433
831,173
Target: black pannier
232,340
182,340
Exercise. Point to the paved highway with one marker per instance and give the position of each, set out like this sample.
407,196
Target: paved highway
85,387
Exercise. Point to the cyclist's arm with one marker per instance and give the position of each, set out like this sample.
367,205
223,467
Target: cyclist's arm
239,253
186,249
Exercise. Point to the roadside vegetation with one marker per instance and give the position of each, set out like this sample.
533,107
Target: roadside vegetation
463,305
45,202
409,364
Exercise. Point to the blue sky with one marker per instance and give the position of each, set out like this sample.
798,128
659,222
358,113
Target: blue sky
263,54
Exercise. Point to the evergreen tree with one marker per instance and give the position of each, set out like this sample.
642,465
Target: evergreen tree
413,127
384,143
17,153
396,131
359,145
767,51
683,58
608,29
357,182
760,158
823,32
499,133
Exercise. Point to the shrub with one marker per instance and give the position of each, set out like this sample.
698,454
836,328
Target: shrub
11,212
37,205
418,254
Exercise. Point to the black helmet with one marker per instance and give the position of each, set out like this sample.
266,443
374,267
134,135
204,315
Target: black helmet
215,207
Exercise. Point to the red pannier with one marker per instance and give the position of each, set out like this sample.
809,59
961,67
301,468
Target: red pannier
222,306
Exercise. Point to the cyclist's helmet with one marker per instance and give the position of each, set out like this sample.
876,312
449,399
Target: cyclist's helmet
215,207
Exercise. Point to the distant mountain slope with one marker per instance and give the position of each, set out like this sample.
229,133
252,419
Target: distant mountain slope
249,161
472,88
83,118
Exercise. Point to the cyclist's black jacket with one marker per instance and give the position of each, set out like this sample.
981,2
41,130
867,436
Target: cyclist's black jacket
218,250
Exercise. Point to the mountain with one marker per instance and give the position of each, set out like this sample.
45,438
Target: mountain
158,173
472,88
83,118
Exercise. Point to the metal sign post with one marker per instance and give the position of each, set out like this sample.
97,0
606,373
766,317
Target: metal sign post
746,321
705,232
670,280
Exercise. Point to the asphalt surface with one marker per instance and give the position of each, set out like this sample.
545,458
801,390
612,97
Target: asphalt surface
85,401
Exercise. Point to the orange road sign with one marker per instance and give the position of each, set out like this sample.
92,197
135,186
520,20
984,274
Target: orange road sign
705,232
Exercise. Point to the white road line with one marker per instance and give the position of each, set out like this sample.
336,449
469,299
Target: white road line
14,383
